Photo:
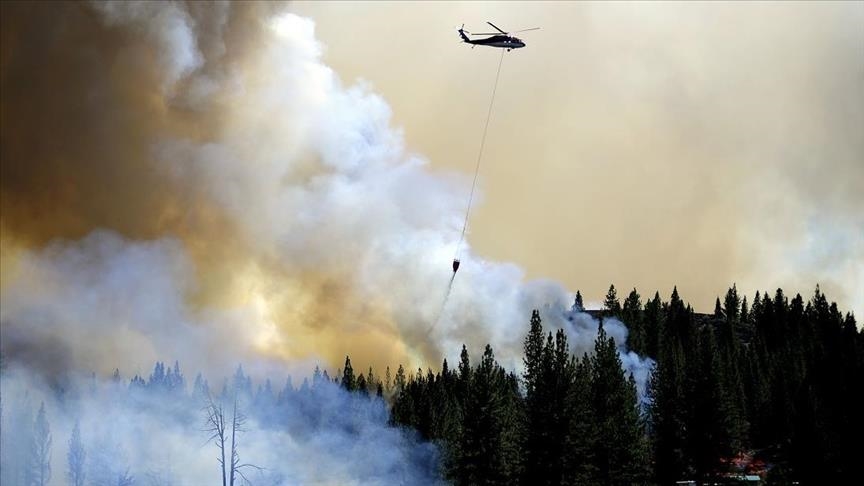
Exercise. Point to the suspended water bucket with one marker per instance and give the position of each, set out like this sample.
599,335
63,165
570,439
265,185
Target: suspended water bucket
455,265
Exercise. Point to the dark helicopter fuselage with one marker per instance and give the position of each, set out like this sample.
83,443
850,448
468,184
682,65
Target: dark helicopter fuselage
503,41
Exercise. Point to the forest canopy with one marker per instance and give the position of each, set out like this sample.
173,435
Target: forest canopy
759,387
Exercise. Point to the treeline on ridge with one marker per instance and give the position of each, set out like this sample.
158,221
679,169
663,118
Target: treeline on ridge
763,388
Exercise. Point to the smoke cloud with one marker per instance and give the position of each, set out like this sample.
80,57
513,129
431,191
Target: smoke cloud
197,183
642,144
186,181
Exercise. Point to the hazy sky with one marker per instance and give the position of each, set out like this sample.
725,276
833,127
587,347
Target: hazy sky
282,185
641,144
212,181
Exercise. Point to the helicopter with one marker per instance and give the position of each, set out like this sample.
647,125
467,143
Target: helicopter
503,40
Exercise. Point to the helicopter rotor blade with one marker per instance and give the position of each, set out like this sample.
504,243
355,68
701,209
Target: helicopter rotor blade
526,30
496,28
488,33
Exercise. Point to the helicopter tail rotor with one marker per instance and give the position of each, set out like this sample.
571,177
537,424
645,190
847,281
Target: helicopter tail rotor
462,33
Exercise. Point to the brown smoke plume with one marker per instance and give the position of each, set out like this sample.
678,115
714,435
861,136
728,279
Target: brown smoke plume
179,176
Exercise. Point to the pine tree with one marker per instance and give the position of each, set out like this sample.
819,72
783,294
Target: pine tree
241,384
361,385
710,429
631,314
317,377
157,378
512,426
40,457
654,319
548,382
611,305
756,308
679,321
578,306
533,348
464,383
579,460
718,311
176,380
729,376
621,450
348,381
746,323
370,380
487,450
399,381
667,413
447,419
732,304
388,382
76,457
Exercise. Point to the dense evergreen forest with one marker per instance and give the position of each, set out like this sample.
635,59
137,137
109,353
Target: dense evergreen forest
764,389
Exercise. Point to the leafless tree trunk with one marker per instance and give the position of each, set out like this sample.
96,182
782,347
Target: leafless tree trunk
215,425
237,421
218,428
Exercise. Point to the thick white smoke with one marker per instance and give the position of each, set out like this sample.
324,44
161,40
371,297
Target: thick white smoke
314,181
105,302
321,180
323,208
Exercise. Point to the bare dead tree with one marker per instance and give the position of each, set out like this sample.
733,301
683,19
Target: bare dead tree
215,426
238,420
238,423
219,430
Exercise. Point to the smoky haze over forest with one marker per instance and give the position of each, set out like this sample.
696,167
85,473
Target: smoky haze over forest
201,181
189,181
196,182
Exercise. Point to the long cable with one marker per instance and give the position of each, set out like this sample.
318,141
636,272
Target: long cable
479,157
443,305
471,196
